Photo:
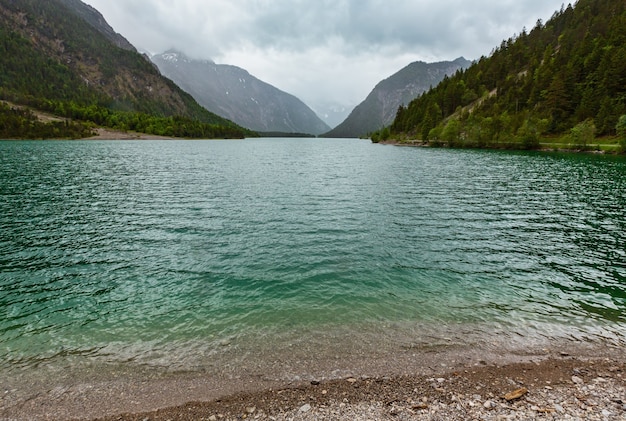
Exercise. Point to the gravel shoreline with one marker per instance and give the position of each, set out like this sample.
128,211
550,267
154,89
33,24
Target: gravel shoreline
562,389
556,385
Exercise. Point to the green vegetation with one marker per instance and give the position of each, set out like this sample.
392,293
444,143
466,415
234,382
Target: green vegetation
53,60
583,134
378,109
172,126
562,83
381,135
621,132
16,123
27,75
285,134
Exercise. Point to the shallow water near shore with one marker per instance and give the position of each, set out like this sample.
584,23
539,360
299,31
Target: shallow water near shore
231,257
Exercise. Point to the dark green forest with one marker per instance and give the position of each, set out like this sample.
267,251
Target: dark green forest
16,123
52,60
563,79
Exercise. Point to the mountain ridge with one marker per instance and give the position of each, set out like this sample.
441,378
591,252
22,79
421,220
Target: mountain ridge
234,93
379,108
92,16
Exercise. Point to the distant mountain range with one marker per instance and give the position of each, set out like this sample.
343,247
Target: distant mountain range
380,107
332,112
233,93
61,56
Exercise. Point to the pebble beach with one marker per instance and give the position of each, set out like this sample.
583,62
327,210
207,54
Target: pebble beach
556,385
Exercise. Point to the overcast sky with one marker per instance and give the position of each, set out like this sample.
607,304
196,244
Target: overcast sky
323,50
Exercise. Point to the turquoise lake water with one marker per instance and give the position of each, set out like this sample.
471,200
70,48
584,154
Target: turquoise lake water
169,253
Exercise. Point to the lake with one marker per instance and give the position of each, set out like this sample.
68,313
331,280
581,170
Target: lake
241,256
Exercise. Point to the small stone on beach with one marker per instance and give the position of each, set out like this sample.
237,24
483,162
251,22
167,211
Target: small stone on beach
577,380
516,394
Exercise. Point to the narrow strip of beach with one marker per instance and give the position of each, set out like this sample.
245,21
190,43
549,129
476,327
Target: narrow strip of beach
581,383
110,134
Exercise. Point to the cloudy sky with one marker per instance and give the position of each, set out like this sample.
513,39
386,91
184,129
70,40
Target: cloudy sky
323,51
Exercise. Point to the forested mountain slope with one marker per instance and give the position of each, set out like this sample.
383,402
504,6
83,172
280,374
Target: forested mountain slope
565,76
380,106
95,19
61,56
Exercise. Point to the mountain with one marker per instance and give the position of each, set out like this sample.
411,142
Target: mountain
564,79
96,20
380,107
332,112
233,93
62,57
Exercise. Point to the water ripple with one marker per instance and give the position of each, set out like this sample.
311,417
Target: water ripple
136,251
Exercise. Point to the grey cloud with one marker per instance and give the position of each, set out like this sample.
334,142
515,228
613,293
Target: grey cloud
372,24
315,48
441,27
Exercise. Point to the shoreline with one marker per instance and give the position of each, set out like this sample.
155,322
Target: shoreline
426,144
569,386
110,134
419,383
